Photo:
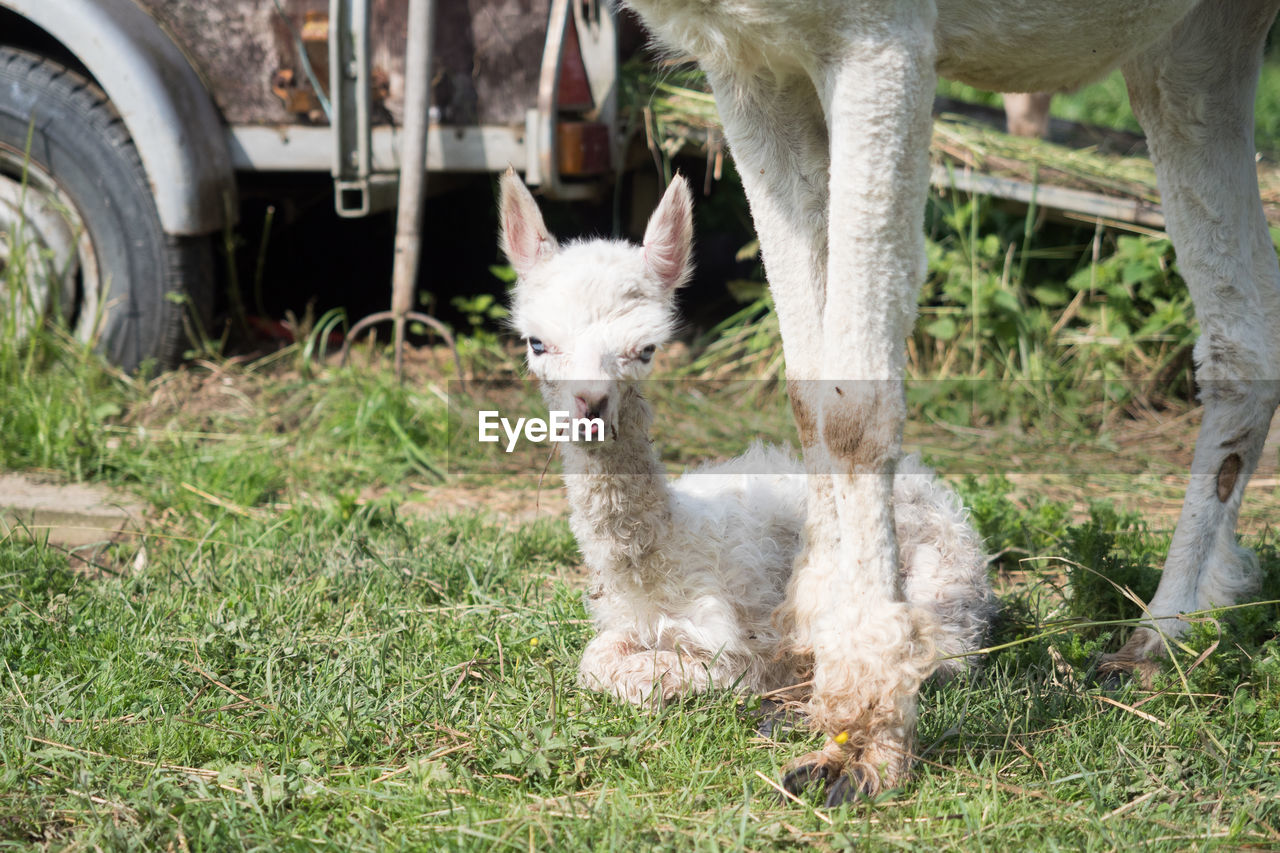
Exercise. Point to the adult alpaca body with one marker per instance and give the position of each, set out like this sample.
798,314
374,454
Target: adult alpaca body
686,575
825,105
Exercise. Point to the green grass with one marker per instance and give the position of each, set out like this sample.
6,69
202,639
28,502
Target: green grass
308,645
285,659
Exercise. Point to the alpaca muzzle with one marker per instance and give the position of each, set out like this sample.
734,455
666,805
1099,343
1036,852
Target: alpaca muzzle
593,406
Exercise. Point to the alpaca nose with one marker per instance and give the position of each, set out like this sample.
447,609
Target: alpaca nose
590,405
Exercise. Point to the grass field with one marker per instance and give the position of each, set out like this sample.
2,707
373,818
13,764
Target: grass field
343,625
308,646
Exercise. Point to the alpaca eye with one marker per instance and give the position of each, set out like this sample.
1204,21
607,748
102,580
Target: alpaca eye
537,346
646,354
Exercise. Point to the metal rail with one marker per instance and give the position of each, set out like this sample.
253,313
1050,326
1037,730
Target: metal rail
1121,211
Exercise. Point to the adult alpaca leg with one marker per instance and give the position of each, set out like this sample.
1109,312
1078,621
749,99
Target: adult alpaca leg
1193,93
779,138
1027,113
845,285
871,650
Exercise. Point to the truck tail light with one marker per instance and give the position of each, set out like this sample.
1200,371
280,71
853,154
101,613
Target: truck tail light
583,148
574,88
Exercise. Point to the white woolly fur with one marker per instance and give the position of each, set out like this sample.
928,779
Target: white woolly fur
686,575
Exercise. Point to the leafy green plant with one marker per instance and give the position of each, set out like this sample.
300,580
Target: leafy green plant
481,311
746,343
202,345
315,340
1134,320
1111,552
1015,324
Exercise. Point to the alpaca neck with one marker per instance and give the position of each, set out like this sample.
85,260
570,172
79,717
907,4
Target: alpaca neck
618,495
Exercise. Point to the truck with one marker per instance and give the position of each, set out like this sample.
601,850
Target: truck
126,126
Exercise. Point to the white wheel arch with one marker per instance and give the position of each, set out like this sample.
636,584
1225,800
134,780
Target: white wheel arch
171,117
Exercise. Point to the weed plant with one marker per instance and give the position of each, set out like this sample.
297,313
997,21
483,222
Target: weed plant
1021,322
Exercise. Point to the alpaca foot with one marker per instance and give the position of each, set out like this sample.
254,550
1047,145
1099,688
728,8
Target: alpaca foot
1136,658
852,784
651,677
810,769
848,776
866,703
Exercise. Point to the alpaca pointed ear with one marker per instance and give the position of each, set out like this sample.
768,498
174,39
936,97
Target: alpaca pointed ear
524,236
668,239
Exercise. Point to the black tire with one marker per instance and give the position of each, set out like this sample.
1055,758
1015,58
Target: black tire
151,283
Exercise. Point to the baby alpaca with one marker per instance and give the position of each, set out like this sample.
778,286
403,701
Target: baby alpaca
686,575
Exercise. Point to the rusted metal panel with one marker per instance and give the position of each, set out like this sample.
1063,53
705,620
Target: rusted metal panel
239,46
489,53
486,69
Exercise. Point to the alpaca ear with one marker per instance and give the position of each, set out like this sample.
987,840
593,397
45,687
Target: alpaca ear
668,239
524,236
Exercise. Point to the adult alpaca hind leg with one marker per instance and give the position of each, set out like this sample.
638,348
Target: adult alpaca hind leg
1193,92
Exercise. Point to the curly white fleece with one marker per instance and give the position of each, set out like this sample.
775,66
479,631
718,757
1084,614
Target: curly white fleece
686,574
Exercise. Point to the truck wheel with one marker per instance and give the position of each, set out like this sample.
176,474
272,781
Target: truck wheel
80,237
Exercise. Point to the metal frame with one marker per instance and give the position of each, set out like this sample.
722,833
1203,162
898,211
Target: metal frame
597,42
413,185
358,190
481,148
365,161
191,156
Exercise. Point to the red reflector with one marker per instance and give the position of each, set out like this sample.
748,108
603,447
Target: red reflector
574,90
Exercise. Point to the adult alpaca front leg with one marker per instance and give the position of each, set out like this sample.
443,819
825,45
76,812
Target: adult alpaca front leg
871,649
835,167
778,133
1194,93
777,129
